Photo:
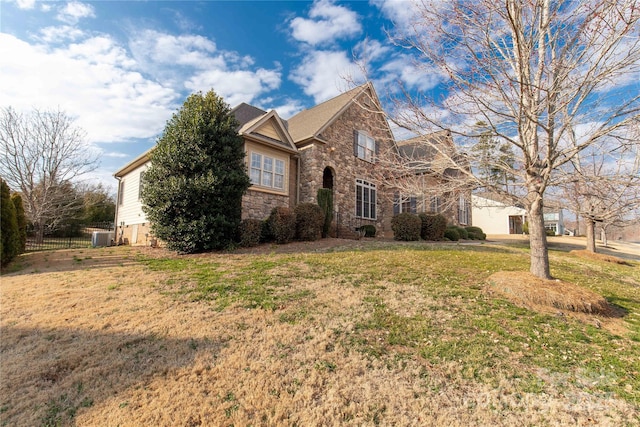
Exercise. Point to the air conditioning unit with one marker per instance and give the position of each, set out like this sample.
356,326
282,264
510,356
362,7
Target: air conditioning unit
102,238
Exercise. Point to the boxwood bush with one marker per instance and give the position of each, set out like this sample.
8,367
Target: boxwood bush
250,232
309,221
476,233
432,226
281,225
452,234
464,235
368,229
406,226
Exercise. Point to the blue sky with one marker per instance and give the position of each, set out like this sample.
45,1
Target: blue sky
122,68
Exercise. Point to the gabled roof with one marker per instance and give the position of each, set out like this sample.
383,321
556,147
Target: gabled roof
423,146
245,113
263,129
310,123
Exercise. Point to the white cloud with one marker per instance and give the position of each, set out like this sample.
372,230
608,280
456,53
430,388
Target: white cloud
400,12
370,50
324,74
73,11
235,86
327,22
61,33
413,75
26,4
92,81
150,46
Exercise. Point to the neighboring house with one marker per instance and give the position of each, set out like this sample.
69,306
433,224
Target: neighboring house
554,219
496,217
433,184
333,145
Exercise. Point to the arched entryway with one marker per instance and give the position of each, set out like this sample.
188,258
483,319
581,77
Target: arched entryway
327,178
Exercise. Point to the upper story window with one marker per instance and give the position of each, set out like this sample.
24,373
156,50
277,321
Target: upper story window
365,199
365,147
267,171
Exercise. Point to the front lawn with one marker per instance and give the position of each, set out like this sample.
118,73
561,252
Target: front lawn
378,334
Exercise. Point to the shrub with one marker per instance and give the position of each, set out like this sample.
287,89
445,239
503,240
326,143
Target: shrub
406,226
250,232
368,229
432,226
550,233
9,233
452,234
325,201
464,235
309,221
192,192
476,233
281,225
22,222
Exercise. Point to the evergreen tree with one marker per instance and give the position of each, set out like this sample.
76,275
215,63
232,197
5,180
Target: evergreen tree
193,188
21,219
9,240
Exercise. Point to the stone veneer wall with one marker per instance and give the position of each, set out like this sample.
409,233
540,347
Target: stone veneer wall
259,204
338,155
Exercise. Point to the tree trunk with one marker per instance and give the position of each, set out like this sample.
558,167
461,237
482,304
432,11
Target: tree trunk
603,237
591,234
538,241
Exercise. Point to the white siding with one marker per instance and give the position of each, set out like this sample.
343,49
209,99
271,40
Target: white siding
130,211
492,216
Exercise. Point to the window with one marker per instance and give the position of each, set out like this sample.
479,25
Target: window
365,199
141,185
403,203
463,210
435,204
121,193
365,147
267,171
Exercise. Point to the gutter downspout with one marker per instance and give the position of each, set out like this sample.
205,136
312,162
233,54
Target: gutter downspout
297,179
115,220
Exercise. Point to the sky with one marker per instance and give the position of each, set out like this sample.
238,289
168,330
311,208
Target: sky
120,69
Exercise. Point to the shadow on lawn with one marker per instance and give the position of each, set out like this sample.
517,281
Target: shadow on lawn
48,375
70,260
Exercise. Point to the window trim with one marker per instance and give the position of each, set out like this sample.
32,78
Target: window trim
121,193
366,202
463,210
369,153
276,163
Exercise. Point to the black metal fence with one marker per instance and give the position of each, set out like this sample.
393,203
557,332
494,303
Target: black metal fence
67,236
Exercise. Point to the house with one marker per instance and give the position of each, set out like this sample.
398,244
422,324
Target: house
333,145
554,219
497,217
434,182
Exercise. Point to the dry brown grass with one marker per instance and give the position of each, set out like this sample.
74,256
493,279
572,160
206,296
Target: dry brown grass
92,337
524,288
583,253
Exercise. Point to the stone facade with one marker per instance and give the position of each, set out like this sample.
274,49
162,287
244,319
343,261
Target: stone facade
259,204
338,155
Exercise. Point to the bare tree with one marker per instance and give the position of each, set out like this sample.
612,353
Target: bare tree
604,186
41,153
548,78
